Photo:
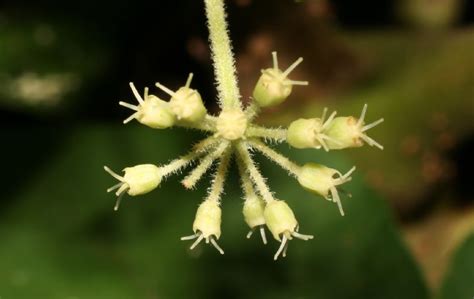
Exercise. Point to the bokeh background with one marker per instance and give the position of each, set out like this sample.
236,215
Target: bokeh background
408,230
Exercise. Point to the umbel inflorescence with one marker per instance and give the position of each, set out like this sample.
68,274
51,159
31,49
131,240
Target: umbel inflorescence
234,135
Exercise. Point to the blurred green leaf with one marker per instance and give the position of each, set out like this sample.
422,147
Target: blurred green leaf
459,279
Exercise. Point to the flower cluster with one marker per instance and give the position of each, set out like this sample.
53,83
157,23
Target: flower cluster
234,135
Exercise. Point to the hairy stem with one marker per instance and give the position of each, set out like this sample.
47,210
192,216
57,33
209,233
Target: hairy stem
208,124
217,186
247,185
276,134
252,110
224,65
195,175
276,157
198,149
254,173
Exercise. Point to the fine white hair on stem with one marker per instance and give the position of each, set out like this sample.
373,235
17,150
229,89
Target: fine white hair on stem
217,186
222,56
196,174
199,149
274,134
285,163
251,168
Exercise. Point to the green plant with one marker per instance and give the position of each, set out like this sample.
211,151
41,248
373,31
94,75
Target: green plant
233,133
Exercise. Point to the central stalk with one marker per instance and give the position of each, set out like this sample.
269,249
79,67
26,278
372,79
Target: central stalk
222,56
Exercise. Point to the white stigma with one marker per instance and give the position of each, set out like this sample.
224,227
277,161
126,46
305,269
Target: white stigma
363,129
135,108
199,237
339,181
320,136
280,249
283,76
121,186
262,234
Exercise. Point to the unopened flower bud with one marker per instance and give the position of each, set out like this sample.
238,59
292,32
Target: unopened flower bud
253,212
302,133
137,180
282,224
151,111
346,132
208,219
273,86
231,124
323,180
309,133
207,225
254,216
280,219
186,103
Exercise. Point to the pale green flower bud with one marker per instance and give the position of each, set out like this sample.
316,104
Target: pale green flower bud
186,103
280,219
346,132
309,133
273,86
156,113
142,178
137,180
323,180
208,219
151,111
282,224
302,133
253,214
231,124
207,225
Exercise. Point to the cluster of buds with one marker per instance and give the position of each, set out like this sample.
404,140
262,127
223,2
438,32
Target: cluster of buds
233,134
185,105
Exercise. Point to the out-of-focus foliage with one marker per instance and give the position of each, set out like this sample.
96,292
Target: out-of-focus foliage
458,282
